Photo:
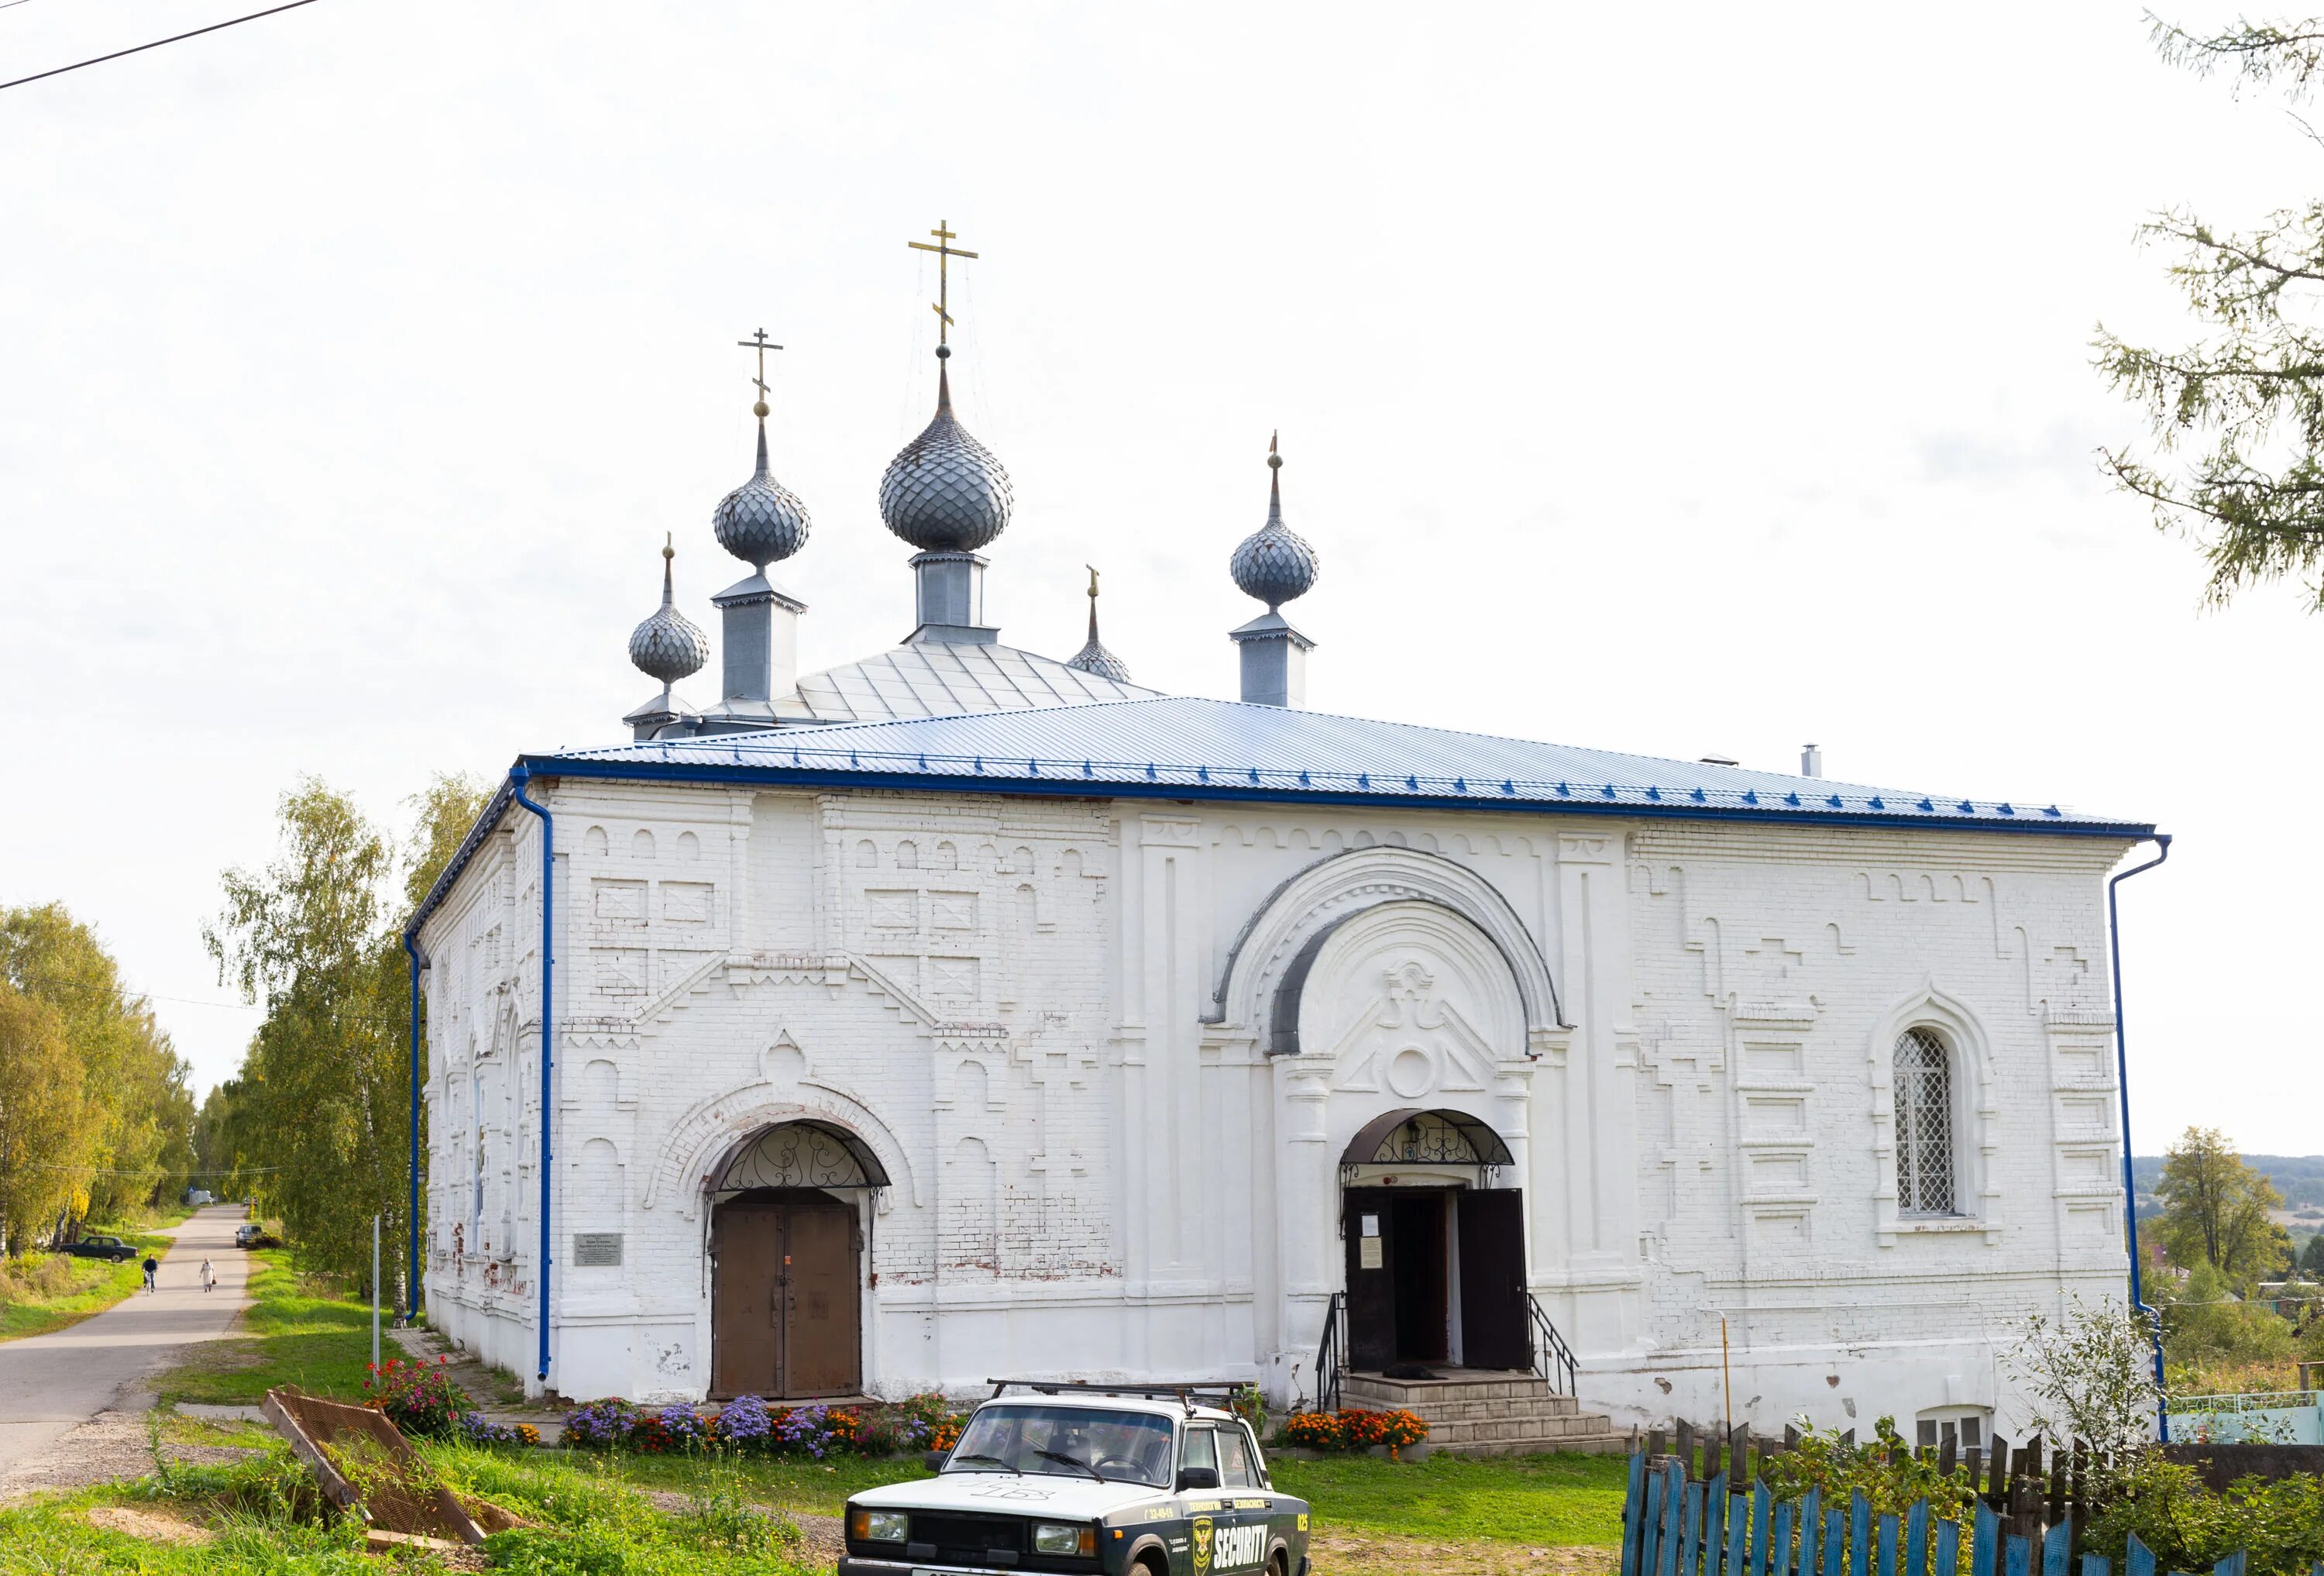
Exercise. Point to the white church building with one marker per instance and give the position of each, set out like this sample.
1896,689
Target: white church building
961,1012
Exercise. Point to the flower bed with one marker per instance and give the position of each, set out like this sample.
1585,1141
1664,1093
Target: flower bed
1353,1428
747,1425
477,1429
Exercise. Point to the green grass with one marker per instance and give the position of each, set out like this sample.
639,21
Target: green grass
1562,1500
587,1523
806,1487
299,1332
43,1292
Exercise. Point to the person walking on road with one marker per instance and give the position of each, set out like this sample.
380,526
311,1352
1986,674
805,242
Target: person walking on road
209,1276
152,1269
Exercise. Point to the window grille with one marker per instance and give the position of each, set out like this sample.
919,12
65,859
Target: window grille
1925,1126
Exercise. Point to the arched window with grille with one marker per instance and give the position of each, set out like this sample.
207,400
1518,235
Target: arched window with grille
1924,1125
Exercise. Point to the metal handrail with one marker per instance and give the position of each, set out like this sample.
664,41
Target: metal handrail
1549,1352
1331,1356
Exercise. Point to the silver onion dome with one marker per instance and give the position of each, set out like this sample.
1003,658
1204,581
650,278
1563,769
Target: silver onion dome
668,647
1275,563
945,492
1094,657
762,520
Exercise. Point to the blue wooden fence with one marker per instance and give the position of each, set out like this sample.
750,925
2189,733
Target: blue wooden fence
1672,1526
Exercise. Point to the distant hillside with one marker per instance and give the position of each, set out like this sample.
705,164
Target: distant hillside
2299,1178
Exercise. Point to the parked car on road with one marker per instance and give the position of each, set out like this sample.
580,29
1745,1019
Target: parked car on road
247,1232
112,1248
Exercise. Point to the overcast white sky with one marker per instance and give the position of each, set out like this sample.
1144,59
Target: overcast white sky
1701,389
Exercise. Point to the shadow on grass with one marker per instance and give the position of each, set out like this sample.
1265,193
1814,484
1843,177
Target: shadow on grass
296,1332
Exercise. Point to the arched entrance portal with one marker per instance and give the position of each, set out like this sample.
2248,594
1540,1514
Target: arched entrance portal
787,1273
1435,1251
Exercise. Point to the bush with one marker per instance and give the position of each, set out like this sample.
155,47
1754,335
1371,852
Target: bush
419,1398
1890,1473
2282,1523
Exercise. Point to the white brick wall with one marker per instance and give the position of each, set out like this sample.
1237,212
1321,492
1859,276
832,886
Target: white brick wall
1022,1006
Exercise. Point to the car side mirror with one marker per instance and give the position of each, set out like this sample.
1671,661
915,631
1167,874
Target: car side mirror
1197,1478
934,1460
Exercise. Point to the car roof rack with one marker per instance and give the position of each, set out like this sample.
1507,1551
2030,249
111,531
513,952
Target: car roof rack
1188,1393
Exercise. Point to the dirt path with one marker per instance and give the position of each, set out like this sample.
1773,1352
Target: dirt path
50,1385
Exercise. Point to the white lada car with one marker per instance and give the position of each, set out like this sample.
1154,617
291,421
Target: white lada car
1086,1477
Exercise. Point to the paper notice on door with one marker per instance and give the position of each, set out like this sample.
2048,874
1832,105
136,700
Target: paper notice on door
1371,1225
1371,1256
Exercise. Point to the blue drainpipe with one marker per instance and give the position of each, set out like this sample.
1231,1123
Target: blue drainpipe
411,1212
517,779
2121,1082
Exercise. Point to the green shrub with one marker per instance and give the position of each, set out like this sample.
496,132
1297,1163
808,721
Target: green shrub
2190,1528
1891,1476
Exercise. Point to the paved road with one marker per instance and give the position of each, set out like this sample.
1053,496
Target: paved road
51,1383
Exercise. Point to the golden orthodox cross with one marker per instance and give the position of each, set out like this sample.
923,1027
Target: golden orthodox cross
761,344
945,251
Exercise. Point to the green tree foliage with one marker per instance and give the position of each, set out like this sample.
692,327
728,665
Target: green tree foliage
2087,1374
2247,398
317,1121
42,1129
132,1143
2312,1257
2215,1211
2207,1329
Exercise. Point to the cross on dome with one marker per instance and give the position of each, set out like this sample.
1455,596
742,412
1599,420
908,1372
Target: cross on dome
945,251
762,520
945,492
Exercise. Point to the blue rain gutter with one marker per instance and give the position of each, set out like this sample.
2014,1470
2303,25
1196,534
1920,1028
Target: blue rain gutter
517,779
2122,1083
411,1212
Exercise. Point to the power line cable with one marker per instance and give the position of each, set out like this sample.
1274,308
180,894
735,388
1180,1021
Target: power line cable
157,43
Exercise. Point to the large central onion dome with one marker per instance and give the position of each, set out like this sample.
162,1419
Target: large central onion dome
668,647
1274,563
760,522
945,492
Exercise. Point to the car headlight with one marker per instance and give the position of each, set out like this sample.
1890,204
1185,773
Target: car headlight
1051,1537
878,1526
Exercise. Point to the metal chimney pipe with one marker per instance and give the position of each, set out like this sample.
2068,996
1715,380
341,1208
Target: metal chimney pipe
1811,760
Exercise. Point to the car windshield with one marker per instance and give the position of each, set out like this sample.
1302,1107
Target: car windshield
1083,1442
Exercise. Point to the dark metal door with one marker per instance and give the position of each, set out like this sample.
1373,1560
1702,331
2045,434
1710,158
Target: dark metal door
822,1354
745,1327
1495,1332
1365,1223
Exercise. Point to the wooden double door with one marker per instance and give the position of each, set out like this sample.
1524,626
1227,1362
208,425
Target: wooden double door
1407,1251
785,1307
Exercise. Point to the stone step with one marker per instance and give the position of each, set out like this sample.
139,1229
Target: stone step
1409,1392
1491,1429
1586,1444
1545,1408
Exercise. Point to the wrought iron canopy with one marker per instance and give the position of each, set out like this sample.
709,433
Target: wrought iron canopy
798,1154
1412,1137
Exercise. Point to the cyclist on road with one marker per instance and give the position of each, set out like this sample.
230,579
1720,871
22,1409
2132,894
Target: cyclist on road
152,1269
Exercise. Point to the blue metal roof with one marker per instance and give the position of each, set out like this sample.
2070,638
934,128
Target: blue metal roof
1186,747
